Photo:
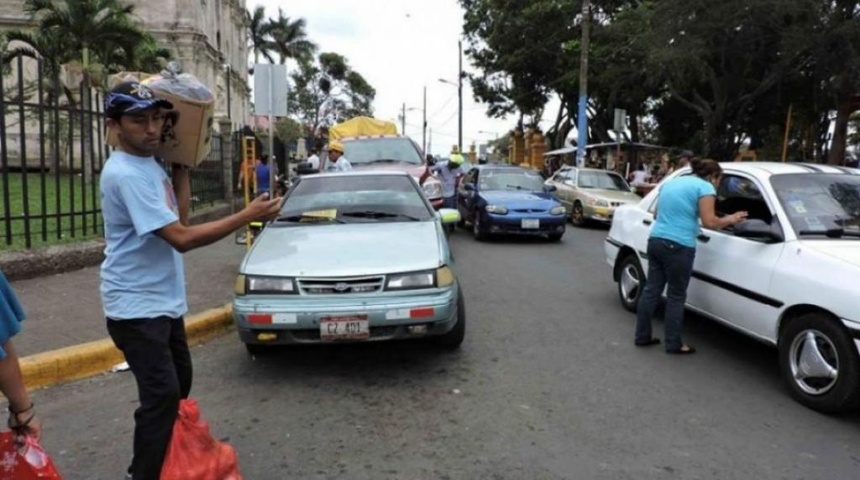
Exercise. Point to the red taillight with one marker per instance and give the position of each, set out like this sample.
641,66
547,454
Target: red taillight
421,313
260,318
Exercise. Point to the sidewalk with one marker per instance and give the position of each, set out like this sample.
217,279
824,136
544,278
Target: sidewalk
65,310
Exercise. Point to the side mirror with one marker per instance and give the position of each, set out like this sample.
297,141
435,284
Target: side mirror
469,187
431,161
549,188
448,215
758,229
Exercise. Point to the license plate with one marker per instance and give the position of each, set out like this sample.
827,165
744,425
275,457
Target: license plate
531,223
353,327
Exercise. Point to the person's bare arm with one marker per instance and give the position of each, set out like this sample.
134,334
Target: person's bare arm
707,212
184,238
182,187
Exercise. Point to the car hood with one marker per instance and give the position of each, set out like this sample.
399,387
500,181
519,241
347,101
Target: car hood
514,199
344,250
847,251
613,195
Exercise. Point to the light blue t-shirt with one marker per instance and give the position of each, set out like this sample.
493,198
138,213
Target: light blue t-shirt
448,178
678,209
142,275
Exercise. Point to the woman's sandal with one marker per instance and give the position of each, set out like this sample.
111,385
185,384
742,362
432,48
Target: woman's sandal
15,423
683,350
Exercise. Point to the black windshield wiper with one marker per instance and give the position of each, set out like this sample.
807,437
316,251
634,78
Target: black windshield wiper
379,214
837,232
309,219
516,187
386,160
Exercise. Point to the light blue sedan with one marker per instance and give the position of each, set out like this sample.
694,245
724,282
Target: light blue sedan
353,257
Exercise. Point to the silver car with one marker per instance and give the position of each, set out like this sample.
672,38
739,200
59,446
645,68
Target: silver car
353,257
591,194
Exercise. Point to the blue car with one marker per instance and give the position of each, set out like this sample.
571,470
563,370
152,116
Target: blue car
503,199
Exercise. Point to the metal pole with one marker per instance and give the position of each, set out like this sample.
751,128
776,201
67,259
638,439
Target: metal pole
271,139
424,126
460,97
403,120
582,124
787,129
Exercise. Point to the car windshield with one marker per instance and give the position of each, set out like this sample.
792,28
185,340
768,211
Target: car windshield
602,180
825,205
368,151
354,199
510,179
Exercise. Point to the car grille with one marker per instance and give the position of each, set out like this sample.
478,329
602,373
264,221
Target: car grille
529,210
340,286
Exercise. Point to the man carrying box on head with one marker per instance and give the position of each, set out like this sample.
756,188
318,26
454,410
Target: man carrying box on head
142,277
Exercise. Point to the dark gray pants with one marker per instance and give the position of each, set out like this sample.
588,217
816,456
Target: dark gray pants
156,350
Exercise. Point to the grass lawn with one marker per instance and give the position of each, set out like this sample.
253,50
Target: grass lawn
75,197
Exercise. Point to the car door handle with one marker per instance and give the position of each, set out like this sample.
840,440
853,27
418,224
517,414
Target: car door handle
703,238
646,221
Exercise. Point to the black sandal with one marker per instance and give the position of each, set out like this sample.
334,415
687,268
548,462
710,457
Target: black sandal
648,343
683,350
17,425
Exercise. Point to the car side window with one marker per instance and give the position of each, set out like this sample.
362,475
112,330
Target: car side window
737,193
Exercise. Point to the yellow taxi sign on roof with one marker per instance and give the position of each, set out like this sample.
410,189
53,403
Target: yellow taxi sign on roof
361,126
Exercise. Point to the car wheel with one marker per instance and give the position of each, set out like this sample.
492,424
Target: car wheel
454,338
478,228
631,282
577,216
555,237
257,349
820,364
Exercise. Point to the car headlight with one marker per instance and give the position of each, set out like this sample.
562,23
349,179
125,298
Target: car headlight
559,210
270,285
597,202
441,277
432,189
498,209
412,280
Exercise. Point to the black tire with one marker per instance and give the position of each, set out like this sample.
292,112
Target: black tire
577,216
257,349
478,229
631,282
555,237
832,344
454,338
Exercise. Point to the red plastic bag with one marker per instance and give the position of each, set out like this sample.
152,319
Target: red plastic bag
194,454
22,458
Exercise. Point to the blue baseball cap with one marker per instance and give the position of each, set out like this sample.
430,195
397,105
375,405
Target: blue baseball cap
131,97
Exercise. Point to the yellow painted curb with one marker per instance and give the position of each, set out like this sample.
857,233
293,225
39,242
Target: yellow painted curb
92,358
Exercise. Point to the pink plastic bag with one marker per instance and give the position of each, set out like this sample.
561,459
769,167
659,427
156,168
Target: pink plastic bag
22,458
194,454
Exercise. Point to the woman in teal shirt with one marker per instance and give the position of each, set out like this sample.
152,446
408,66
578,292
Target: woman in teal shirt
682,203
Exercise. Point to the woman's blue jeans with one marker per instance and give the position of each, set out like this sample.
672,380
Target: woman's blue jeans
669,263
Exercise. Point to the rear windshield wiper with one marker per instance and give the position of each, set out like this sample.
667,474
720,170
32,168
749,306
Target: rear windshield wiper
517,187
387,160
379,214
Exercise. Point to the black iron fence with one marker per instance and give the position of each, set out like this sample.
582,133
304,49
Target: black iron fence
52,151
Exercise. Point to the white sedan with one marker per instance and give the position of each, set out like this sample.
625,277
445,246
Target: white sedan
788,276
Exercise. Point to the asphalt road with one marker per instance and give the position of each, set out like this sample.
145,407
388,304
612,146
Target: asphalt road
546,386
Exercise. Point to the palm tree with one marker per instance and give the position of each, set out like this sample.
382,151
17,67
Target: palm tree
289,39
259,38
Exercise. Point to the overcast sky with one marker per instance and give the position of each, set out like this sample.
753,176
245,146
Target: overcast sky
400,46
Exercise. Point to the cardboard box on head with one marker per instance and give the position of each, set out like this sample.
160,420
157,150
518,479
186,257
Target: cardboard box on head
187,134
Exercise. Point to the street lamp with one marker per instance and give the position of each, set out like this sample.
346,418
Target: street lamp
459,86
